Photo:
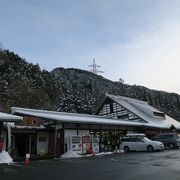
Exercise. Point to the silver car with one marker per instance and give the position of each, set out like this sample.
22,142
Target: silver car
133,143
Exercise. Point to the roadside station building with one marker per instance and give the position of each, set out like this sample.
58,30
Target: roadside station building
53,133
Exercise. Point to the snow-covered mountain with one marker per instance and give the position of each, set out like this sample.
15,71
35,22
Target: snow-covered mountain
24,84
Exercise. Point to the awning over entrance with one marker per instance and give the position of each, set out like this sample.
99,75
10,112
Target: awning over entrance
4,117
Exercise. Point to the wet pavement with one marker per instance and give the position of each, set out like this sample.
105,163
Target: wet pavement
129,166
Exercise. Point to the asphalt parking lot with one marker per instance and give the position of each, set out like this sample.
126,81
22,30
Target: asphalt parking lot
126,166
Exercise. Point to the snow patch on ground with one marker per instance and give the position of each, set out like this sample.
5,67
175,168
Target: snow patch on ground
103,153
108,153
119,151
70,154
5,158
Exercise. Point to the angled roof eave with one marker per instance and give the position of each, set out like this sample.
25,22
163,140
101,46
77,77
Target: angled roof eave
4,117
63,117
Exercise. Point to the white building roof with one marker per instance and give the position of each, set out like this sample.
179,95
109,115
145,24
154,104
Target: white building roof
145,111
9,117
93,119
72,117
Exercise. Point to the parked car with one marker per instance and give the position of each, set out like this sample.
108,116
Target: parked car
140,143
171,140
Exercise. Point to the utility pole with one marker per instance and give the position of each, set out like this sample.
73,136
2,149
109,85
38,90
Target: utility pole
94,68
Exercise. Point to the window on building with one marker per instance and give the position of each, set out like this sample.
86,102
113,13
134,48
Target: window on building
159,115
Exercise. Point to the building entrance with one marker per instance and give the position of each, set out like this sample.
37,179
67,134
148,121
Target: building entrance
25,143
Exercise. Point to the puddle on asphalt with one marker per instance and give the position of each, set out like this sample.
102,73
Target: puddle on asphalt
132,163
158,164
171,157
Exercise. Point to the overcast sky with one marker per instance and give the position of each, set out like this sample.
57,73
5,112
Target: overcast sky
137,40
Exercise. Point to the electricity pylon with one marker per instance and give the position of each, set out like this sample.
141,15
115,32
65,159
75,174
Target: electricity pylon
94,68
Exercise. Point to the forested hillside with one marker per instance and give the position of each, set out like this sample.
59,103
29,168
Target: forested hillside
24,84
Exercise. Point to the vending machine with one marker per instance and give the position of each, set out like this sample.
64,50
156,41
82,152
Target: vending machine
74,144
95,144
86,142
